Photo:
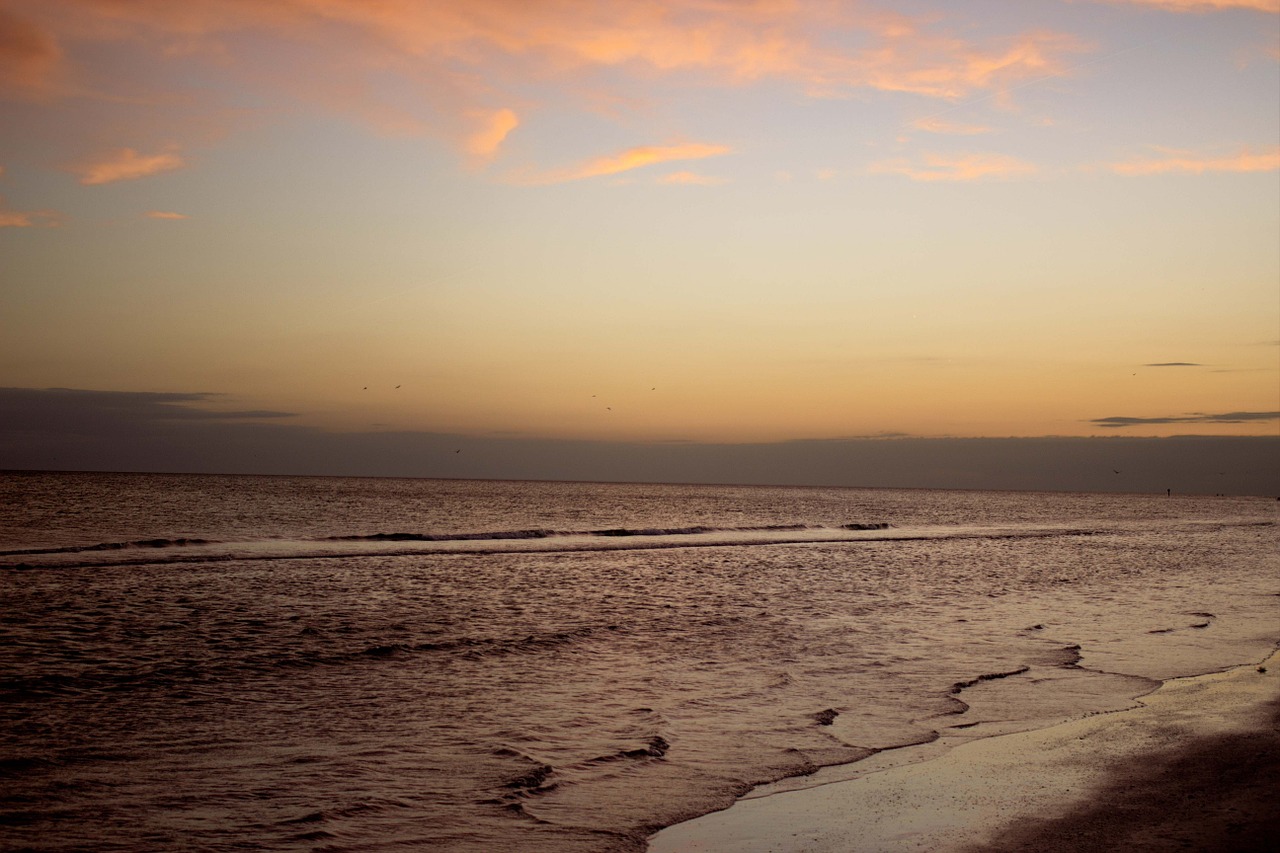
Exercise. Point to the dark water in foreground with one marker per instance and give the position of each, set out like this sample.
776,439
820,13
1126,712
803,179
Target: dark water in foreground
230,663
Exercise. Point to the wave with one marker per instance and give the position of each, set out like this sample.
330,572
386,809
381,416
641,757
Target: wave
539,533
177,674
195,550
157,551
111,546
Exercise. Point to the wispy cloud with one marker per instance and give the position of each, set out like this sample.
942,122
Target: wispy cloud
933,124
126,164
1206,5
21,406
1184,162
165,214
957,167
10,218
692,178
1174,364
632,158
1197,418
435,67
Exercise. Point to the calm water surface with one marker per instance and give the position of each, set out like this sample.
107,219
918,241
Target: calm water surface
230,663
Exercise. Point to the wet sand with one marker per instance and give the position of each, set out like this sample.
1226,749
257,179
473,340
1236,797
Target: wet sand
1195,766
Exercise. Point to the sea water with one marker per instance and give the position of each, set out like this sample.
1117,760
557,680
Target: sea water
282,663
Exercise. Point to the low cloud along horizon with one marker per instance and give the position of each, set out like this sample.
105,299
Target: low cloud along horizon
69,429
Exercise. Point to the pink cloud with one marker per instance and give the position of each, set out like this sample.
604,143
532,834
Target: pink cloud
957,167
632,158
126,164
1178,162
10,218
165,214
410,67
30,58
1272,6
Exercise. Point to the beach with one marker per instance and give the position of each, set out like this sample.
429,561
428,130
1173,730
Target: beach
1194,765
229,663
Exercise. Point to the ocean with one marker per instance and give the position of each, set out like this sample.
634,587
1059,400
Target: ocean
308,663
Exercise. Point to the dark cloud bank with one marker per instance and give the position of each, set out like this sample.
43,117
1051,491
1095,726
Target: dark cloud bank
60,429
1196,418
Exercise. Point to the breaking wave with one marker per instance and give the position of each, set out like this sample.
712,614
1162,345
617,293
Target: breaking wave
160,550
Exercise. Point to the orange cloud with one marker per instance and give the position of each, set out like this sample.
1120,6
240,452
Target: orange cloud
126,164
165,214
957,167
29,57
934,124
483,144
1186,163
632,158
1207,5
692,178
407,66
28,218
945,67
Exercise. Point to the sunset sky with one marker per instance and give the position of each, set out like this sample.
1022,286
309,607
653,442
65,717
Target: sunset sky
712,221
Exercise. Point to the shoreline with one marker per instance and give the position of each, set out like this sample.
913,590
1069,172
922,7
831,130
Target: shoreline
1193,764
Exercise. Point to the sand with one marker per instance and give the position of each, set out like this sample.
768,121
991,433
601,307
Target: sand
1194,766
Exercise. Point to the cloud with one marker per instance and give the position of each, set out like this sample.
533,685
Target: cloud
1206,5
692,178
632,158
1226,418
62,429
165,214
28,218
29,58
10,218
495,125
957,167
437,67
1174,364
933,124
126,164
28,408
1189,163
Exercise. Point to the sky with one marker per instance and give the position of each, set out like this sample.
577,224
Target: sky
628,226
